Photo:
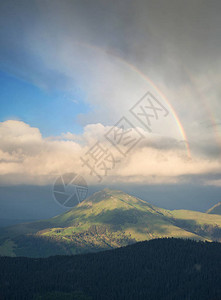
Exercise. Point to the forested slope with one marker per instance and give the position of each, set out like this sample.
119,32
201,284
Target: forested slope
157,269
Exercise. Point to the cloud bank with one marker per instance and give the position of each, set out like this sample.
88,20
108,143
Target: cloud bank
28,158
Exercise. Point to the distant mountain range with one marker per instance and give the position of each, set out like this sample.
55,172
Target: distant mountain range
106,220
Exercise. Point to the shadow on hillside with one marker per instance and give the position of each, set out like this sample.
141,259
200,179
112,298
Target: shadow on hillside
204,230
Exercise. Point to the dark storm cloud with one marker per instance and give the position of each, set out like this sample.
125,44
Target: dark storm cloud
142,31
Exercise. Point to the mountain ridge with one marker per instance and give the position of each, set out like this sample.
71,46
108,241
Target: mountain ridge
108,219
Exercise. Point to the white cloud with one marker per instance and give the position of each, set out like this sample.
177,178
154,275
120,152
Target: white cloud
27,157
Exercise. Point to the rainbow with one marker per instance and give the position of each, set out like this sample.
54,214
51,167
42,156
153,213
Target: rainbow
176,118
147,79
212,117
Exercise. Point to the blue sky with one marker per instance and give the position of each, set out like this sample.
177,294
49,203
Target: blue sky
53,112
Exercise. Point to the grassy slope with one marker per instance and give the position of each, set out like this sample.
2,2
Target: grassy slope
108,219
120,211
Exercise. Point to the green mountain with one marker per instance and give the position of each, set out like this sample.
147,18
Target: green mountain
106,220
216,209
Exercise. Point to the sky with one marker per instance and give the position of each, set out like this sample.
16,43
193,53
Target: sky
72,73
